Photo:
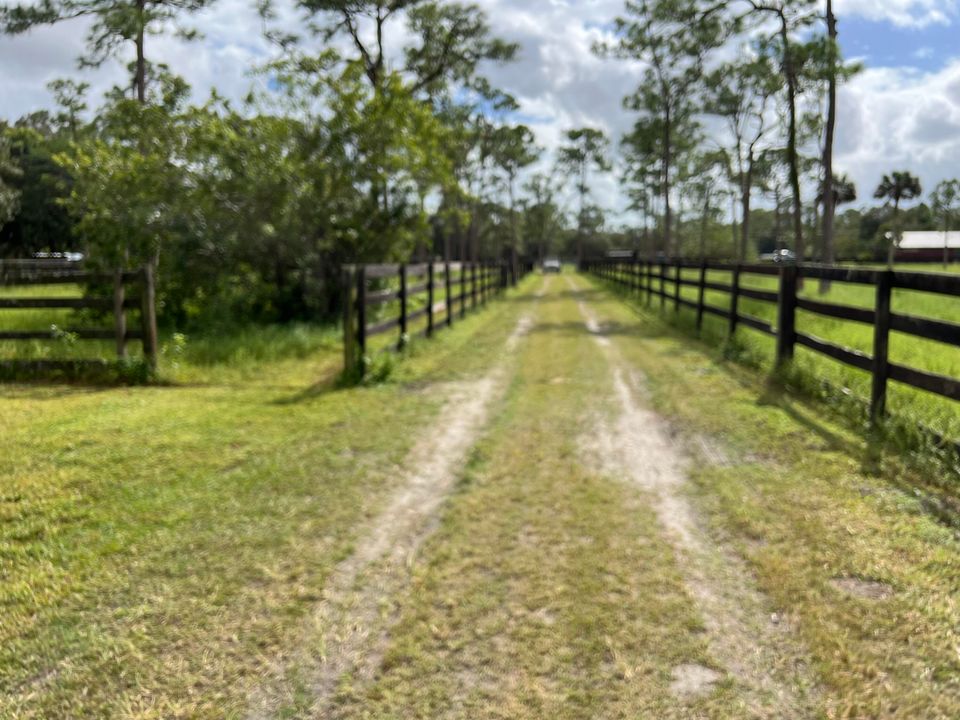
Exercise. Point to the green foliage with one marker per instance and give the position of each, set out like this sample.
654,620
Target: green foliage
9,174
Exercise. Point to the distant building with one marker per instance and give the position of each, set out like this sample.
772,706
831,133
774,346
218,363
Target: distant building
927,246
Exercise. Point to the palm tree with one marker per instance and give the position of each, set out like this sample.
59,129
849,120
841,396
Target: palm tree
897,187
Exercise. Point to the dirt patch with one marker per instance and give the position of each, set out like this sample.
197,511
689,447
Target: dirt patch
763,657
858,587
691,681
348,631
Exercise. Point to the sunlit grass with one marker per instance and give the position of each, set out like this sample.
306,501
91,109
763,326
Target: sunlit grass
819,374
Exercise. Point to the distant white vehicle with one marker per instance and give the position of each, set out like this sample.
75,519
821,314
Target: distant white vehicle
552,265
68,256
780,256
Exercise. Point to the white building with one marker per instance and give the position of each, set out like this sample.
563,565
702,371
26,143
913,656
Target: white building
927,245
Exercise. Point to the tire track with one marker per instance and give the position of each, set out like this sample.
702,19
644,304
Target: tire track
349,631
757,649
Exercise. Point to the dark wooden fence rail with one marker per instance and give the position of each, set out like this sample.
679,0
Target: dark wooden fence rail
441,292
129,290
656,278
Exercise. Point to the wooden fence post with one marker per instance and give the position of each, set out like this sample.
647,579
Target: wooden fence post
148,317
362,317
119,316
482,275
349,319
787,314
734,300
702,289
449,293
473,286
463,290
676,287
881,347
663,284
649,282
403,307
430,298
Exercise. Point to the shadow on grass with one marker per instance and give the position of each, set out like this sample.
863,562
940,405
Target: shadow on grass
869,448
83,373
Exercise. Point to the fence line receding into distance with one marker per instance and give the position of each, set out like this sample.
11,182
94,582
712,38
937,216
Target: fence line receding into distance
398,297
656,278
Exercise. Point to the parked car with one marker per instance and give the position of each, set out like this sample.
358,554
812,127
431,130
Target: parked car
780,256
552,265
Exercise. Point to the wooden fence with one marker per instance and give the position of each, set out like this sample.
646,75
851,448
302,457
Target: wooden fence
663,280
429,296
123,291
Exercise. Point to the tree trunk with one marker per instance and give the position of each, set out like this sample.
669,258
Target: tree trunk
745,201
140,82
895,240
791,73
704,220
829,199
667,159
777,218
946,245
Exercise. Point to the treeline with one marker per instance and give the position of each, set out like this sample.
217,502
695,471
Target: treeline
372,137
737,109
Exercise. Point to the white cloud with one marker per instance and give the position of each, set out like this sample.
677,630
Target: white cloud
904,13
888,117
892,119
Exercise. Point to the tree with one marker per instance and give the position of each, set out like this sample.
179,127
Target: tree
513,150
115,25
586,149
672,38
9,196
41,222
70,97
839,191
945,201
742,93
896,188
790,17
450,40
543,218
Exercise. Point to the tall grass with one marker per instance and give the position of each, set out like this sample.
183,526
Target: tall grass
229,346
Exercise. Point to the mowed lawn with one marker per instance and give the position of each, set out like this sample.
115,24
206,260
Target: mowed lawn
158,545
161,548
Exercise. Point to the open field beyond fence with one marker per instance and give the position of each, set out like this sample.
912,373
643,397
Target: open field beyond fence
881,343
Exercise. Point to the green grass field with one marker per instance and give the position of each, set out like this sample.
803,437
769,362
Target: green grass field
165,549
831,379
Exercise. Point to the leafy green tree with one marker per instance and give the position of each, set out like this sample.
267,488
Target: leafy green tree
585,149
896,188
672,38
40,222
514,150
450,40
790,19
945,202
543,219
70,97
115,25
9,173
742,93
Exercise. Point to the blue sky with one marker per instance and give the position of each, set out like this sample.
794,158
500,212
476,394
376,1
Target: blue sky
884,44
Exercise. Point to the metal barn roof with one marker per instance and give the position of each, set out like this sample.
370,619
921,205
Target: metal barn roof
928,240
